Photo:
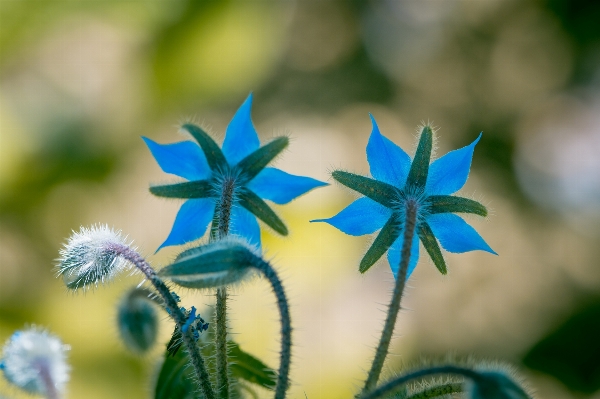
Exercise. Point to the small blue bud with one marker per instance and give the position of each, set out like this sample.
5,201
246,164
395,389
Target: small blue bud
190,320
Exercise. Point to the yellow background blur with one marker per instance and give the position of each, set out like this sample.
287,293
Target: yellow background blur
81,81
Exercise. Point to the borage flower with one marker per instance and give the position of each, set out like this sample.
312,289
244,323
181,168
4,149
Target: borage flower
397,180
236,172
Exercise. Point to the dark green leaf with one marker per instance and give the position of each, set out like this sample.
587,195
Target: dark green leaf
452,204
385,194
176,379
191,189
249,368
214,155
261,210
386,237
255,162
417,176
432,247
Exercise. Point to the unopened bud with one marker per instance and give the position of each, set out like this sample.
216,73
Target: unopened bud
216,264
36,361
137,321
91,256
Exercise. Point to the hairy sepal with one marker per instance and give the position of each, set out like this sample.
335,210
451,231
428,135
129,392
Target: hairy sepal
452,204
261,210
255,162
385,194
214,155
187,190
386,237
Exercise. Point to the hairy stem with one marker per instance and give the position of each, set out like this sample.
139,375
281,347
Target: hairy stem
396,383
44,373
283,382
394,308
223,222
188,339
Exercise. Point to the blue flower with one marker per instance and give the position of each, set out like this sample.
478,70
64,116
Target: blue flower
238,168
397,179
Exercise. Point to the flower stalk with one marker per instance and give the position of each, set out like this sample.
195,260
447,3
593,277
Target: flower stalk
223,221
173,309
394,308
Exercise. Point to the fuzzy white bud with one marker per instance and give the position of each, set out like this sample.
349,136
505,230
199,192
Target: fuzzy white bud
36,361
92,256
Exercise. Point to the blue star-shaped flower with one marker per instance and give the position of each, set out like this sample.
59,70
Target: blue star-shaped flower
398,179
238,167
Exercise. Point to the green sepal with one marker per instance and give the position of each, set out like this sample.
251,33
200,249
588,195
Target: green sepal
261,210
452,204
385,194
214,155
432,247
419,169
386,237
188,189
247,367
255,162
213,265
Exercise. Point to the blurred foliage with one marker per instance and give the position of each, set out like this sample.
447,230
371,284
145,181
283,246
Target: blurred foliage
81,81
571,352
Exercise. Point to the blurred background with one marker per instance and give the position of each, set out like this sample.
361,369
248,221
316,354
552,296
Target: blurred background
81,81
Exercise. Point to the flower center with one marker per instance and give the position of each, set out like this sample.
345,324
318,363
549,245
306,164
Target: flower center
411,196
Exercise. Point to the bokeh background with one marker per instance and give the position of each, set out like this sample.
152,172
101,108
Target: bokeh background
81,81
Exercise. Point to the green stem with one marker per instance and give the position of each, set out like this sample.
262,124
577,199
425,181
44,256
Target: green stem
283,382
396,383
173,309
440,390
223,221
394,308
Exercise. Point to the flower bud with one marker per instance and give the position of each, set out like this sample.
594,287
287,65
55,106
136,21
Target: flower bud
495,385
137,321
91,256
216,264
35,361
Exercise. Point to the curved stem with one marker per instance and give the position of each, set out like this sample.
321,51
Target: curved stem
283,382
177,315
394,308
223,221
391,386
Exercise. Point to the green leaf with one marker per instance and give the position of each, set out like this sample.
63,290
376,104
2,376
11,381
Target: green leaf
214,155
419,169
249,368
176,379
386,237
431,245
452,204
191,189
385,194
261,210
255,162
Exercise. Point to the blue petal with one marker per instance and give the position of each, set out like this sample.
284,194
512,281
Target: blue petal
281,187
240,138
184,159
394,255
448,174
191,221
363,216
244,224
455,234
388,162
